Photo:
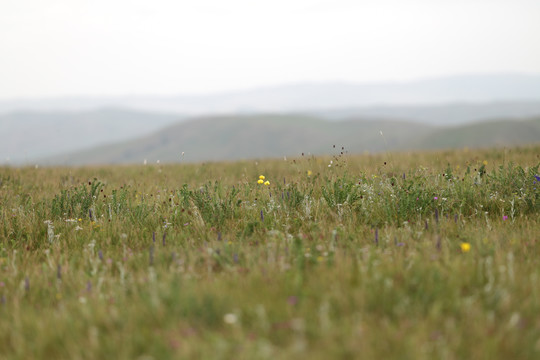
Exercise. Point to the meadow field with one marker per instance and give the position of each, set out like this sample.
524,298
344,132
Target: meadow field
426,255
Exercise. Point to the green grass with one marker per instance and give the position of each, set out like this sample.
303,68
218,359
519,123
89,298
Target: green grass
359,259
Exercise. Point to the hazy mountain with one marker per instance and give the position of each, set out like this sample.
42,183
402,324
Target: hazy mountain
443,114
241,137
41,128
310,96
486,134
25,136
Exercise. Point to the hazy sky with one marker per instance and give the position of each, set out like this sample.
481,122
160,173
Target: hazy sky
116,47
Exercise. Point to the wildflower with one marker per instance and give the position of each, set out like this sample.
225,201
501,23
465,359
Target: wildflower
267,183
435,198
537,178
230,318
465,247
261,177
485,162
292,300
309,172
260,181
505,217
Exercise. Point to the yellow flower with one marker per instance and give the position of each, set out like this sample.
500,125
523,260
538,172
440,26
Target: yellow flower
485,162
267,183
309,173
260,181
465,247
261,177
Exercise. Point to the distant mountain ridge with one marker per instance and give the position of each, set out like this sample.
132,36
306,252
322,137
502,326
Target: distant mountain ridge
440,114
32,129
261,136
25,136
309,96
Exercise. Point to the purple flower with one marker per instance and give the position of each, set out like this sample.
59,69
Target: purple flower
435,198
505,217
537,178
292,300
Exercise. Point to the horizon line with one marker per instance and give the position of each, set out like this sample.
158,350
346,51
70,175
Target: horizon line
265,87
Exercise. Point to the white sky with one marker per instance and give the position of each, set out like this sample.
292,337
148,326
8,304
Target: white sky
117,47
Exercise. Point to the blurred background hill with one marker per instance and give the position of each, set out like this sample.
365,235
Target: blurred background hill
262,136
283,121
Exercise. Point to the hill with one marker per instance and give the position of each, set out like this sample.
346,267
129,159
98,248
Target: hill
488,134
440,114
28,135
246,137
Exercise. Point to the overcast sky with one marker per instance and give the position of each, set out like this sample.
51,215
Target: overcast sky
118,47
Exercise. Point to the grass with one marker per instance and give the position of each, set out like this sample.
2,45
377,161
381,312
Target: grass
342,257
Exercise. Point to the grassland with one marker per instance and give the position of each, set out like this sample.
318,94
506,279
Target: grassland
395,256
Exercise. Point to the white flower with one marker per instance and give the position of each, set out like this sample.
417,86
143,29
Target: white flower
230,318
